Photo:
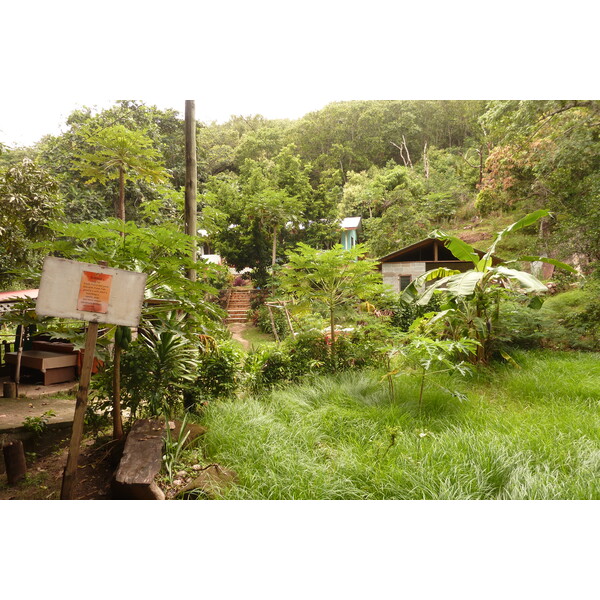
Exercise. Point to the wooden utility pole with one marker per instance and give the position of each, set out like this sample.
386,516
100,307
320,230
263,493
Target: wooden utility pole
191,179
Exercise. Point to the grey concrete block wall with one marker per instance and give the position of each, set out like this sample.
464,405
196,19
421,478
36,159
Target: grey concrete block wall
391,272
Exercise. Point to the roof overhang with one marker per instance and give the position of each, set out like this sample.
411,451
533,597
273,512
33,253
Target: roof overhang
395,256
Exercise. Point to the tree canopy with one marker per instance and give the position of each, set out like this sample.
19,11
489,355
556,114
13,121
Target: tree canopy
405,167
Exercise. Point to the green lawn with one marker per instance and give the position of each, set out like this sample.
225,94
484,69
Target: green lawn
528,433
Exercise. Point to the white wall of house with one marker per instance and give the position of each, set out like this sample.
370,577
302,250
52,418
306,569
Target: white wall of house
391,272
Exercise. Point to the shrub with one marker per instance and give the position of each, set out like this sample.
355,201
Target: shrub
267,366
566,321
574,318
262,319
521,326
218,372
308,353
403,314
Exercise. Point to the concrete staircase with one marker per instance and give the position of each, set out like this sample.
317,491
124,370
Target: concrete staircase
238,305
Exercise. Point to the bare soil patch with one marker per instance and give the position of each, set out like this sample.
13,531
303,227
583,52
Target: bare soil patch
97,462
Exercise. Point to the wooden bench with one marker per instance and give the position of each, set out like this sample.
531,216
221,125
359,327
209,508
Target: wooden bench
141,462
54,366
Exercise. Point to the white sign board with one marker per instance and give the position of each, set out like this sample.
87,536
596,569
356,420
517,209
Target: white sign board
70,289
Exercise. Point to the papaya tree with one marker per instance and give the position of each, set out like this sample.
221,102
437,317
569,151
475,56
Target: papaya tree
331,280
122,154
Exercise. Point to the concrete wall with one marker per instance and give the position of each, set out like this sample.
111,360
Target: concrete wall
391,272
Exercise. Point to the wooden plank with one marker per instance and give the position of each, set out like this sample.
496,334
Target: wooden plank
42,359
142,456
59,375
70,474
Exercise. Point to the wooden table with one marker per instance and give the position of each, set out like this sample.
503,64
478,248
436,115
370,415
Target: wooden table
55,367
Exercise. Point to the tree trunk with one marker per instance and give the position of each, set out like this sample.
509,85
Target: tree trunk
117,417
121,206
332,332
9,390
276,336
481,165
274,253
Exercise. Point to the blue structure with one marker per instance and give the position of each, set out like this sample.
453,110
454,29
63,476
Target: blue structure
350,227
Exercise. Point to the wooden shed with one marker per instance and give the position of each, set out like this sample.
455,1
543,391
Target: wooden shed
403,266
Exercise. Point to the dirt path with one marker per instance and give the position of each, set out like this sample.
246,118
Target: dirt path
236,333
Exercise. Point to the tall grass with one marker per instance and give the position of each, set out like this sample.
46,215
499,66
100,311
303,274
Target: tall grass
524,433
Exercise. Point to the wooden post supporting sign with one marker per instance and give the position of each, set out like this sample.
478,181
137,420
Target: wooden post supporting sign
69,476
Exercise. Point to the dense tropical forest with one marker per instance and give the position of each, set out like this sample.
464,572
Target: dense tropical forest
405,167
341,387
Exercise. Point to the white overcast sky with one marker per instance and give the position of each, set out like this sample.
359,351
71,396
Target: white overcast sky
281,59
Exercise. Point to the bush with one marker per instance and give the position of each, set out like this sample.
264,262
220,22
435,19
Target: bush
521,326
402,314
574,318
567,321
262,319
308,351
267,366
218,373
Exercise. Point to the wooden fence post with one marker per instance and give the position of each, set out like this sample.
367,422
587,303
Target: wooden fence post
14,460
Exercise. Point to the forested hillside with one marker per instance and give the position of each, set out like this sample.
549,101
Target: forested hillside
405,167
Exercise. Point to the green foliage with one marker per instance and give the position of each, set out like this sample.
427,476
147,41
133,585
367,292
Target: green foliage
174,447
262,319
547,154
573,318
308,353
120,149
30,198
403,314
123,154
158,367
474,296
85,200
38,425
399,226
516,438
266,366
218,372
331,280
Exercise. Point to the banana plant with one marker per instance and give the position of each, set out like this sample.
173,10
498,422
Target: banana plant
475,295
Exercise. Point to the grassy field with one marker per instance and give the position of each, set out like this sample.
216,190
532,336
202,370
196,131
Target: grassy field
524,433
